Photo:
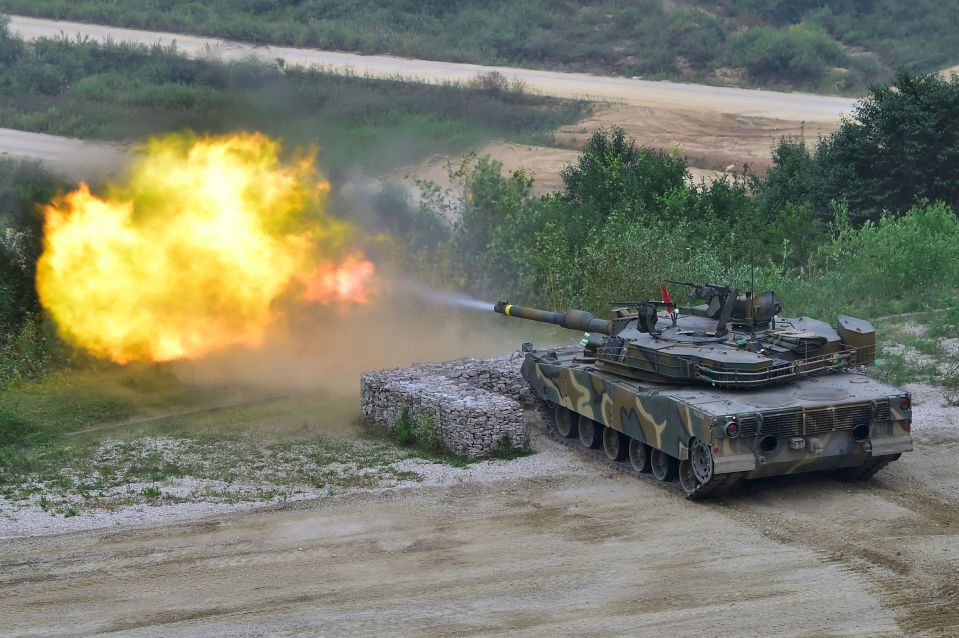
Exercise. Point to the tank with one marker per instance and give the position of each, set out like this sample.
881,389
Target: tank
720,392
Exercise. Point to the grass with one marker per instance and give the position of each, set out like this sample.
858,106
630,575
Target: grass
260,452
73,399
122,92
156,470
834,47
266,452
920,348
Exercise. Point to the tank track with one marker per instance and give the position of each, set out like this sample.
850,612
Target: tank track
868,469
720,485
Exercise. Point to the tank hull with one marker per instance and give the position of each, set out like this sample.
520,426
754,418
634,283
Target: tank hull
836,420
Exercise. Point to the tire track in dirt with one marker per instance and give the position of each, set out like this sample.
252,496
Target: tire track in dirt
909,552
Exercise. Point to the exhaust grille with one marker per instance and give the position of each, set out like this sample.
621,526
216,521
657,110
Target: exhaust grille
814,421
882,411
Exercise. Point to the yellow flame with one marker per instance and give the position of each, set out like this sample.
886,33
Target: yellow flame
191,254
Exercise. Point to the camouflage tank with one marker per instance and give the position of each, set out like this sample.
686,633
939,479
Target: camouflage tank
719,392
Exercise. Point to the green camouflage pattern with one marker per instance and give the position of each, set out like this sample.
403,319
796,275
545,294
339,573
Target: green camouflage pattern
720,391
834,420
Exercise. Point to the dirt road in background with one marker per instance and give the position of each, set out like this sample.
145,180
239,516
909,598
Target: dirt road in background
586,552
746,102
74,158
716,128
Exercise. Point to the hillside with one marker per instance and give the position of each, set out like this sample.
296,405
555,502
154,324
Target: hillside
832,46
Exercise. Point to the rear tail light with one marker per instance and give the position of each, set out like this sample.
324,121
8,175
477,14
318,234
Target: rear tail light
907,426
732,429
905,402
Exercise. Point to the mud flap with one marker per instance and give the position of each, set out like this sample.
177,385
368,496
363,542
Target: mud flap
734,463
890,445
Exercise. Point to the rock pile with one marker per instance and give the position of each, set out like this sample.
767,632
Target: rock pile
475,405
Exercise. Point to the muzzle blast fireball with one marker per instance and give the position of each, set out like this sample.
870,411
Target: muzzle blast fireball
199,249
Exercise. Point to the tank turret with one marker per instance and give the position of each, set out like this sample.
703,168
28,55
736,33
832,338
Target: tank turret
731,340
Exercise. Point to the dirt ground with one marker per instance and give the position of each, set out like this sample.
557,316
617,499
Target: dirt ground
544,163
709,140
712,143
585,552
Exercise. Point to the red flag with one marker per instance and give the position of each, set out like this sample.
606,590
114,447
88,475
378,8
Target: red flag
669,302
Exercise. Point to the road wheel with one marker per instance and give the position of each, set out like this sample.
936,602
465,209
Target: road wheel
639,456
696,472
565,422
615,444
590,432
687,478
701,461
663,465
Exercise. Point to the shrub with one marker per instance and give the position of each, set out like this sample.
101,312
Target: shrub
797,54
427,434
916,254
613,173
405,429
506,450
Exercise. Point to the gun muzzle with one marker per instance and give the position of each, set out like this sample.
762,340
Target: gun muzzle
571,319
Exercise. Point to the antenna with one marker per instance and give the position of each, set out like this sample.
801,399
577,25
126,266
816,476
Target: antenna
752,289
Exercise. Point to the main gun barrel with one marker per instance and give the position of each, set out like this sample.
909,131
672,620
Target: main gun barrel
572,319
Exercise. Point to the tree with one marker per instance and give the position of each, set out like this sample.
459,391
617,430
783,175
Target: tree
901,146
612,173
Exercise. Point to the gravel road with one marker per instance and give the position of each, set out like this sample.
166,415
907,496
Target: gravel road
586,551
72,157
790,106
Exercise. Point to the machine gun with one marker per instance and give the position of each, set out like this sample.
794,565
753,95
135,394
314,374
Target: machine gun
721,300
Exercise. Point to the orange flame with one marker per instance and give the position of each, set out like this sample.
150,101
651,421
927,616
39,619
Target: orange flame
352,281
193,252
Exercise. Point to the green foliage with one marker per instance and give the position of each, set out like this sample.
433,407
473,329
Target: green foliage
917,253
613,174
29,352
405,428
799,54
917,35
28,347
901,146
509,451
421,431
427,434
629,218
23,185
494,211
945,324
894,265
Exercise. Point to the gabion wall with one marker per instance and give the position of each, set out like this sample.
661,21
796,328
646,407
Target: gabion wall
474,403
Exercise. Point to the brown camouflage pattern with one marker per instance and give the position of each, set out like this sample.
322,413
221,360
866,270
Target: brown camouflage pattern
669,417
